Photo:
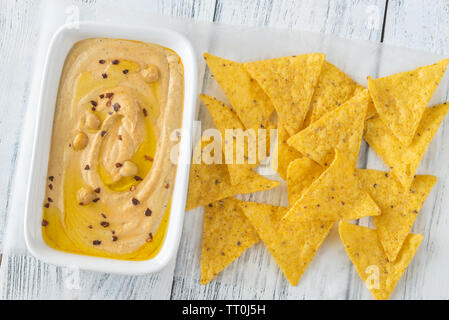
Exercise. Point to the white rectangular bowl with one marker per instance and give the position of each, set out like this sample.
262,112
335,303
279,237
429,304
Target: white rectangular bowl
61,43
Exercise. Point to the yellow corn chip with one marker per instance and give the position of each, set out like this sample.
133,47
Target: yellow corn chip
292,245
300,175
226,119
341,128
401,99
211,182
250,102
370,261
333,89
227,233
399,206
284,154
289,82
403,161
335,195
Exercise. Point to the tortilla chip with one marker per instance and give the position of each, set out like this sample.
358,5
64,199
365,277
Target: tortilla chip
335,195
292,245
399,206
250,102
370,261
227,233
225,118
300,175
333,89
289,82
404,161
341,128
401,99
211,182
284,154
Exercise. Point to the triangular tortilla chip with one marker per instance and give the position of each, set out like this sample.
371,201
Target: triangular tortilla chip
292,245
211,182
227,233
300,175
284,154
399,206
341,128
250,102
225,119
370,261
401,99
333,89
335,195
289,82
404,161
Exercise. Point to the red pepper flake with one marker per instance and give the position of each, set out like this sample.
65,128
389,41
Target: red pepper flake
150,237
135,201
148,212
96,242
101,96
87,167
120,137
125,71
104,75
118,165
44,223
93,102
148,158
137,178
115,61
89,226
96,199
375,185
50,186
386,174
93,109
239,243
103,215
167,186
103,133
104,224
145,113
50,199
114,238
109,95
97,190
116,107
102,61
47,205
51,178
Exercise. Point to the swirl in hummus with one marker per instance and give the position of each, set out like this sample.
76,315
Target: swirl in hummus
110,177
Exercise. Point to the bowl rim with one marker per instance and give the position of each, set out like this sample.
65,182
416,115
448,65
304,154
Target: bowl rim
33,239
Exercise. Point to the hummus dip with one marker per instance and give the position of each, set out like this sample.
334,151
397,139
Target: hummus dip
110,177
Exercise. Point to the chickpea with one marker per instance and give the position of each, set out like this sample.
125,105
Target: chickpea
80,141
128,169
92,122
150,73
85,195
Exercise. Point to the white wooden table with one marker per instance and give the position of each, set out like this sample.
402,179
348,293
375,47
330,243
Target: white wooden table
413,23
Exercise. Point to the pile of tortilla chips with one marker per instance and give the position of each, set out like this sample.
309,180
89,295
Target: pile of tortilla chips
320,114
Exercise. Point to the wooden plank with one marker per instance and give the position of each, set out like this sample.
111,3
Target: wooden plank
18,23
255,274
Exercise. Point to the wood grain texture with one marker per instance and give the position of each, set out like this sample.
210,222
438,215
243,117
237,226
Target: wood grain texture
414,24
18,25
